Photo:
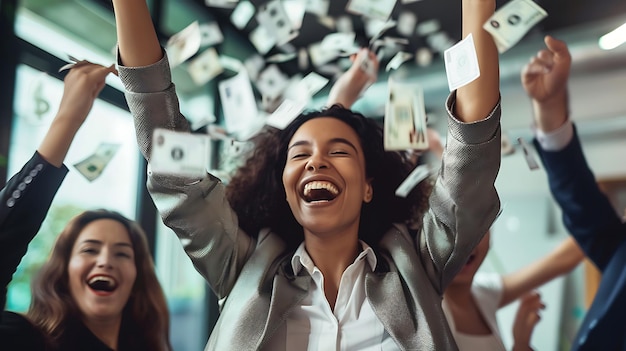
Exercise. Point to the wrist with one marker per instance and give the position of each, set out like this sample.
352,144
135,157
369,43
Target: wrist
550,114
522,347
67,122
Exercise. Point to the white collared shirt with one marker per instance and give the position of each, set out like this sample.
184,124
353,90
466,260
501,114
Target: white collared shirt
352,325
557,139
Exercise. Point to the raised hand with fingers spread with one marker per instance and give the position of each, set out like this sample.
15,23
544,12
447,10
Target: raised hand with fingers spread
545,80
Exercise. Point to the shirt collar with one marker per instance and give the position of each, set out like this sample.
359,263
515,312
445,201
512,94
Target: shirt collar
302,259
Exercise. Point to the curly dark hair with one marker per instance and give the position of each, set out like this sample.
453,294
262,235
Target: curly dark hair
257,194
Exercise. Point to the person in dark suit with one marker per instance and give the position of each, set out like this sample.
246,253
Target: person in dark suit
98,290
587,213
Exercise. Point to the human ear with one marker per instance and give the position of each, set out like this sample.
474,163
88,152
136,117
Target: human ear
369,192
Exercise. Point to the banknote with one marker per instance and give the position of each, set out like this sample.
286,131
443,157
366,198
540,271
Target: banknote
342,43
304,88
271,82
262,39
398,59
238,103
420,173
317,7
371,8
281,57
179,153
272,16
313,83
285,113
405,117
242,14
73,62
210,34
227,4
92,167
407,21
319,56
511,22
205,67
528,155
461,63
184,44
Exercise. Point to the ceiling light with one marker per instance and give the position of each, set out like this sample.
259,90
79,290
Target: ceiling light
614,38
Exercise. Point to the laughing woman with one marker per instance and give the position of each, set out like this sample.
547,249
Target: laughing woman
98,290
307,247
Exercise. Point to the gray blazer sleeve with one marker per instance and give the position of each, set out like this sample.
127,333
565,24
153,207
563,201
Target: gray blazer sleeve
464,202
196,209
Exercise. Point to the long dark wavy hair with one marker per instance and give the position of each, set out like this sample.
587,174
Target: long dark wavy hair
257,194
52,307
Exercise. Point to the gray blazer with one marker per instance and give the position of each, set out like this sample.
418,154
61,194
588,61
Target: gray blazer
252,276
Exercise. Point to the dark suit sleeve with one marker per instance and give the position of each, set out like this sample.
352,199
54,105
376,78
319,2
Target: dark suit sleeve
24,203
587,212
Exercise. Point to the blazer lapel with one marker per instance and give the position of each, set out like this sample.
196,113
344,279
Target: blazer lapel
287,292
385,294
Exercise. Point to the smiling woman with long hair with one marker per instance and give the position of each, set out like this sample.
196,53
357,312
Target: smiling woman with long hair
98,290
55,304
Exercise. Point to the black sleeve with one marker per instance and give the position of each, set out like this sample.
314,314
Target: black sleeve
19,334
24,203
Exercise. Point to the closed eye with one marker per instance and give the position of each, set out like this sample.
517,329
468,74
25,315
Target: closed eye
89,250
124,254
297,156
339,152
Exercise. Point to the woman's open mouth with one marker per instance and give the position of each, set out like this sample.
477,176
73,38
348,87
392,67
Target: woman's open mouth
319,191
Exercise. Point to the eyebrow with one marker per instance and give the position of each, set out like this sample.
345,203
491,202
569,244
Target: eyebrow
331,141
98,242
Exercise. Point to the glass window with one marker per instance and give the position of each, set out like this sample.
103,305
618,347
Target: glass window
92,36
185,290
37,98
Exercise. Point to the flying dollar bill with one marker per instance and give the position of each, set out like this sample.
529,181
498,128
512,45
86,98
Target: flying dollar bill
371,8
512,21
184,44
405,117
180,153
420,173
93,166
461,63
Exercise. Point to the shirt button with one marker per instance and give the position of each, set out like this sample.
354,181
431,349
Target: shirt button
39,167
28,179
22,186
33,173
17,194
11,202
593,323
582,339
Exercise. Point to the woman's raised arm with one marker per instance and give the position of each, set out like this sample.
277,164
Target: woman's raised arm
137,39
477,99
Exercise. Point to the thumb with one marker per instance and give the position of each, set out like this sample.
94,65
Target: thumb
112,69
558,47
